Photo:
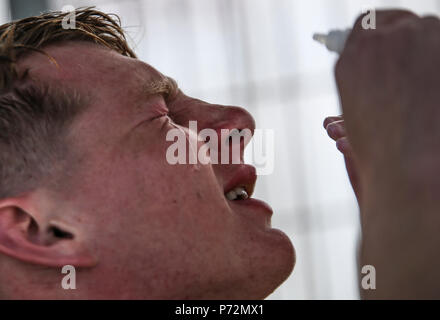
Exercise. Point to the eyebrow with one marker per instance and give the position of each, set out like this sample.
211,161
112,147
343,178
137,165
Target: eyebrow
166,86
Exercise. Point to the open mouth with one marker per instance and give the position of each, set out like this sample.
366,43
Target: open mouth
238,193
242,184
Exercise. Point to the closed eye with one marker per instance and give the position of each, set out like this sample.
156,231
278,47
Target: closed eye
166,87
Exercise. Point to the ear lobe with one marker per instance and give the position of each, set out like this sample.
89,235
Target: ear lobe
24,238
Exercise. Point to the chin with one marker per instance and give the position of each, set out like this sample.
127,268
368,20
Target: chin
276,263
283,262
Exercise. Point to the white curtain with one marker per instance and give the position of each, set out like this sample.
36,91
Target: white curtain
259,54
4,12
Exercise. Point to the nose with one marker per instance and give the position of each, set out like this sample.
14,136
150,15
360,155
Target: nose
234,120
235,128
232,124
227,118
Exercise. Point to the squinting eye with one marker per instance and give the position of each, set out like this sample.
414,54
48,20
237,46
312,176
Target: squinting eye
170,116
168,97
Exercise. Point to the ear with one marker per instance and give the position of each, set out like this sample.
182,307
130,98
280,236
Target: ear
28,236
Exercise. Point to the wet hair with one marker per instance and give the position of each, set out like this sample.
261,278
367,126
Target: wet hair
35,117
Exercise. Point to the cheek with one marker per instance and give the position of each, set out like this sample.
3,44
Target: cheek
176,190
184,210
180,221
175,207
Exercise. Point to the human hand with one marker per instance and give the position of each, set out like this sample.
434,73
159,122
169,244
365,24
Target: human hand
388,81
335,128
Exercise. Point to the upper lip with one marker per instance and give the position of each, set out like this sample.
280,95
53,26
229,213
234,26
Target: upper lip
245,176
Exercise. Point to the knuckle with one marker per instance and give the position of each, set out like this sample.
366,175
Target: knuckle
358,22
431,21
388,17
431,18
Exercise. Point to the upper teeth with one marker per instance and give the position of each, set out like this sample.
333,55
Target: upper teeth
237,193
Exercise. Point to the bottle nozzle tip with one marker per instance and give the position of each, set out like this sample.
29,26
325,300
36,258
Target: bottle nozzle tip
321,38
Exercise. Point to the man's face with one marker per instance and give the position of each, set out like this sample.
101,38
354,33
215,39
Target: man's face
158,230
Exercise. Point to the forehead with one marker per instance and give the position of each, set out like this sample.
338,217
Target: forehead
112,82
84,65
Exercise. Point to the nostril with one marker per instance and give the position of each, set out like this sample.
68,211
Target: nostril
230,138
58,233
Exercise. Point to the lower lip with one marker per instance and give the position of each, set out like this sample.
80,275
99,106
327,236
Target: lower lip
255,204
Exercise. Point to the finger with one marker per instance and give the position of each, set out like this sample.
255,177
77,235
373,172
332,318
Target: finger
329,120
388,18
384,19
431,18
344,146
431,22
353,175
336,130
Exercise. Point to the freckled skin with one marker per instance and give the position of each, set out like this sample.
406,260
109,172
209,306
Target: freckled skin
157,231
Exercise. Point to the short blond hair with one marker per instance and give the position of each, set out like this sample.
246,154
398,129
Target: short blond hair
34,117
